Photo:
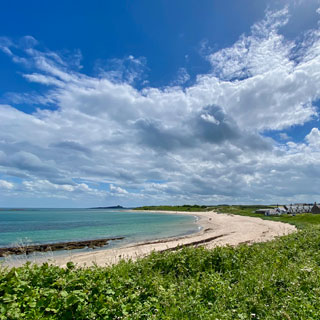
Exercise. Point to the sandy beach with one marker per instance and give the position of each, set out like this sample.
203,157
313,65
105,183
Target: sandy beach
217,229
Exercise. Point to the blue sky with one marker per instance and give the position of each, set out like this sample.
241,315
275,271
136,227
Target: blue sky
152,102
169,34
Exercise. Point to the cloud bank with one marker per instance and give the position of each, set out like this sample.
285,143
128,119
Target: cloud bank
100,140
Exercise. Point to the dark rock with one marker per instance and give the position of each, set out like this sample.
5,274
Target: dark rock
70,245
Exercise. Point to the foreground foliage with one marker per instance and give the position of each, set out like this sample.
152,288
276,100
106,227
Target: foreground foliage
275,280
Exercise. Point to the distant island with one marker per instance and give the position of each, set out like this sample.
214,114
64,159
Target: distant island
113,207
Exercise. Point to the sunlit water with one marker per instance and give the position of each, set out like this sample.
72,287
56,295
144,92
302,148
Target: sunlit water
37,226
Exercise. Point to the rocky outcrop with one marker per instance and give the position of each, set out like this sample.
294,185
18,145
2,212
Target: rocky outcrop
70,245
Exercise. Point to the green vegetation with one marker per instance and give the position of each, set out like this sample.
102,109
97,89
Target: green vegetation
185,207
300,220
274,280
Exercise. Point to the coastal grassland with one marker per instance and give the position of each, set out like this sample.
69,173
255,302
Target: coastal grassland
299,220
279,279
192,208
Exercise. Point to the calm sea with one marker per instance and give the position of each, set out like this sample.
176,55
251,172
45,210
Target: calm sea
36,226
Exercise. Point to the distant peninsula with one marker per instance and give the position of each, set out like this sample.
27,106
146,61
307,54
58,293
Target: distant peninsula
113,207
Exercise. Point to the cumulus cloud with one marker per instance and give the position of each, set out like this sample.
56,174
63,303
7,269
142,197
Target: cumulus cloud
201,143
313,138
115,189
6,185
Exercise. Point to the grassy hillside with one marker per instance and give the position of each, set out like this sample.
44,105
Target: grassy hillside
186,207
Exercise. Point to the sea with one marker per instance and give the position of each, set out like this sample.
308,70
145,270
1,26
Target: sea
19,227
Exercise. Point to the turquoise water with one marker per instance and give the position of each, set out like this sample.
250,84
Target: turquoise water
36,226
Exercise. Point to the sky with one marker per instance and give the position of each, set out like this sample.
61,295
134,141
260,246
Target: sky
144,102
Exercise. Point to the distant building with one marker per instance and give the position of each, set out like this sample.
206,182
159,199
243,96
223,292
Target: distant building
276,211
291,209
262,211
271,212
298,208
315,208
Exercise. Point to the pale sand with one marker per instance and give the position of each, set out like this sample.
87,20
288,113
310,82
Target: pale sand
217,230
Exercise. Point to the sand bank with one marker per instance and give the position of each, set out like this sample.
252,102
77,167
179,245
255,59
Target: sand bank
217,230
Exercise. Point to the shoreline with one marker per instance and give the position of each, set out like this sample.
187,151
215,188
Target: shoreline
217,229
56,246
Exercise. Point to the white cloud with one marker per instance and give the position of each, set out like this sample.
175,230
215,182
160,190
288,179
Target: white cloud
313,138
210,118
284,136
44,188
261,52
203,143
117,189
127,70
182,77
6,185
